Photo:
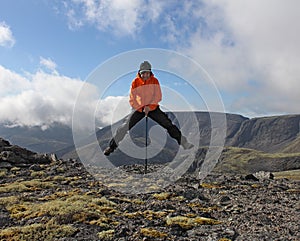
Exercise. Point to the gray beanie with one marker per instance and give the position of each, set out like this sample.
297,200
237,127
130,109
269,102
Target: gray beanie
145,66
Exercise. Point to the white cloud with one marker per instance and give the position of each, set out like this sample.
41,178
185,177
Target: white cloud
250,48
11,83
6,37
252,52
48,64
121,17
41,99
112,108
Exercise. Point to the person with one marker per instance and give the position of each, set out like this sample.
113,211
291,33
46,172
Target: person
144,98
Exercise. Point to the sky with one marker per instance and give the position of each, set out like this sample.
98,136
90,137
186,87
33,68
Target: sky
48,49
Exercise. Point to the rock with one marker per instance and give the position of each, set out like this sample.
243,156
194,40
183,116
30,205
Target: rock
261,175
225,200
4,143
64,193
4,164
35,167
251,177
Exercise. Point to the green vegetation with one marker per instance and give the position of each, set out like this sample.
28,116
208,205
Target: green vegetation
294,146
162,196
152,233
238,160
3,173
106,235
48,232
188,223
292,174
56,210
25,186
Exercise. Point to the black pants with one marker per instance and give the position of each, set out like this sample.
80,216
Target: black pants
157,115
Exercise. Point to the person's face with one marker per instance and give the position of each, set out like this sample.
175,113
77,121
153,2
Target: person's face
145,75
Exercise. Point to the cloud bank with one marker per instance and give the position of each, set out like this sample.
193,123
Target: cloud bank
250,48
254,54
44,99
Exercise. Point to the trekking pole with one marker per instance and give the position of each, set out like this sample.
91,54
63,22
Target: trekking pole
146,158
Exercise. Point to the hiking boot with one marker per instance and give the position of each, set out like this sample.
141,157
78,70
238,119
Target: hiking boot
108,150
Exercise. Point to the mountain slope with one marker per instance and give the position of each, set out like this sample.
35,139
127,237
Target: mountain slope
293,146
187,119
49,140
269,134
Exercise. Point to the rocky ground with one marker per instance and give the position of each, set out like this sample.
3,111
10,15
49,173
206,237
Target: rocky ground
43,198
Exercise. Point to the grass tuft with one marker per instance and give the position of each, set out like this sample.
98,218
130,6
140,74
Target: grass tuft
46,232
106,235
188,223
162,196
152,233
25,186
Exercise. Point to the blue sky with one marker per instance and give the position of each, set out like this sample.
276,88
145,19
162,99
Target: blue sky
48,49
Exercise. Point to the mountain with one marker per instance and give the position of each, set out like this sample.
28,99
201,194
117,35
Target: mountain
269,134
269,140
197,123
266,143
293,146
243,160
37,139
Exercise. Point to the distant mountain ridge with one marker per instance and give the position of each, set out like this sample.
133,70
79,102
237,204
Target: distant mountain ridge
274,134
269,134
265,143
49,140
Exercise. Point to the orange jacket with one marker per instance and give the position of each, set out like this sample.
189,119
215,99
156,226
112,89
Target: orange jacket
145,93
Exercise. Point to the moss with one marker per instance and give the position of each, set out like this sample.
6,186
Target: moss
9,200
138,201
210,185
61,170
60,194
148,214
256,185
152,233
66,207
38,174
101,222
127,200
188,223
293,190
153,188
104,222
162,196
3,172
115,185
46,232
15,169
59,178
104,200
106,235
24,186
178,198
